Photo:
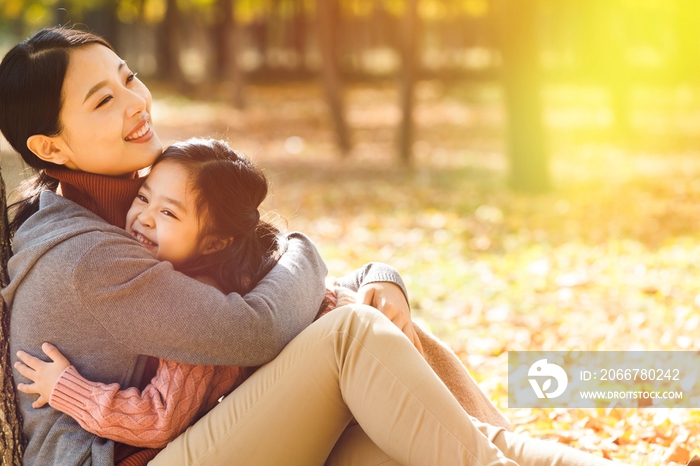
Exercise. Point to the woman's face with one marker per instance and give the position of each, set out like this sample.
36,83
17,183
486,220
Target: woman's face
163,217
106,115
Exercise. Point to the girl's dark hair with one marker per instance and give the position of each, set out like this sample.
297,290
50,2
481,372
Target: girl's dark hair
228,191
31,81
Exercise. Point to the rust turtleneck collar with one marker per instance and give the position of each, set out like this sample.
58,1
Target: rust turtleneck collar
106,196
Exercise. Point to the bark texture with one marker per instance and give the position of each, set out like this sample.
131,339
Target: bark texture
11,440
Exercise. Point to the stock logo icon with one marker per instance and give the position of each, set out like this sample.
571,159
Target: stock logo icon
540,369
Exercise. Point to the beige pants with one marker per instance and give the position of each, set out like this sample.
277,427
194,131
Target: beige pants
295,410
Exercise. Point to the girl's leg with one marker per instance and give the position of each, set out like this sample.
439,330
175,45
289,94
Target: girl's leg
293,410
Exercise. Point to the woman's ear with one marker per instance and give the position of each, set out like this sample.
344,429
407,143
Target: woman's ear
46,149
213,244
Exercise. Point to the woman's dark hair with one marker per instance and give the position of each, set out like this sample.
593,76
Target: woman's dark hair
31,81
228,191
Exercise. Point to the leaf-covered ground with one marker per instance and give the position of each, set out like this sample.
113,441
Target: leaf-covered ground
609,260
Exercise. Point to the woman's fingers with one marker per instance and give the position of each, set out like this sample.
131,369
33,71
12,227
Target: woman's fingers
410,332
390,300
365,295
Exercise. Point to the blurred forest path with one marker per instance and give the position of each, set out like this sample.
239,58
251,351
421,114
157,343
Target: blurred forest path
609,260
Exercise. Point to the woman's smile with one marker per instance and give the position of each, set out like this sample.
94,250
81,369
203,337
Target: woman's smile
142,133
106,115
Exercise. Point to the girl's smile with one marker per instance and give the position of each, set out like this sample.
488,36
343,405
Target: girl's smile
163,217
145,241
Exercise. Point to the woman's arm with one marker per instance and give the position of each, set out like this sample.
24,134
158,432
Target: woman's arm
373,272
172,316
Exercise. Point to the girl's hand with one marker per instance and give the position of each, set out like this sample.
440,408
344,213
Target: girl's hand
43,374
388,298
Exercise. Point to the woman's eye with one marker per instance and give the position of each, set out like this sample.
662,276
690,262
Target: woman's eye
131,77
104,101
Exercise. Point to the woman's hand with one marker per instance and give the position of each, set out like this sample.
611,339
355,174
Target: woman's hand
43,374
388,298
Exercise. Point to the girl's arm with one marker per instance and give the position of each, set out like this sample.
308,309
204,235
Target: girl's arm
177,395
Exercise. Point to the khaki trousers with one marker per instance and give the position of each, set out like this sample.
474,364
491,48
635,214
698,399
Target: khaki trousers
353,362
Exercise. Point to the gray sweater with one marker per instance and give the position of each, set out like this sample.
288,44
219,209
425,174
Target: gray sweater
92,290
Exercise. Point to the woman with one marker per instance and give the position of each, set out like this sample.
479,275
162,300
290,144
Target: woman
80,282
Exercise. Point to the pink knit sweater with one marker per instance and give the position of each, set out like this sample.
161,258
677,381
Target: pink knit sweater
177,396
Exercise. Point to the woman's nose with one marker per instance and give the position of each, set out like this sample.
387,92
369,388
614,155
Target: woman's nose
136,104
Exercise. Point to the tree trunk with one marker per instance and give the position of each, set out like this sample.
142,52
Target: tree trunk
327,23
227,37
169,44
11,438
526,144
409,41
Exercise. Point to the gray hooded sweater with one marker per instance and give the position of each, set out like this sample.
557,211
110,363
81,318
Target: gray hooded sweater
106,303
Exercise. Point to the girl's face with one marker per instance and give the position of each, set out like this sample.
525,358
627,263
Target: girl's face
163,216
106,116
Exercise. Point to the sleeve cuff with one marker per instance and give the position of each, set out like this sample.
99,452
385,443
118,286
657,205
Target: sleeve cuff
70,392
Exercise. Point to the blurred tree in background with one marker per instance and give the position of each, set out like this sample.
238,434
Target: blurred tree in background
526,144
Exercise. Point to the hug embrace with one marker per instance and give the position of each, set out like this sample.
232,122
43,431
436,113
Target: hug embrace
161,321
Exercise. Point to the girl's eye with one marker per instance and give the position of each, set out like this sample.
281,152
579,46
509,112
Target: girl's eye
104,101
142,198
167,213
131,77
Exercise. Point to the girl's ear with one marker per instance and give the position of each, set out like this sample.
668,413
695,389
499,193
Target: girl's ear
46,149
213,244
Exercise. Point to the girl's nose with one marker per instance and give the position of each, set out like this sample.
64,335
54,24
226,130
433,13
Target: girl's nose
145,218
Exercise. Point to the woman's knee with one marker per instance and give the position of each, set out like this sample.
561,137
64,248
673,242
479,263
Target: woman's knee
356,320
357,315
